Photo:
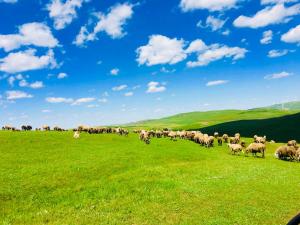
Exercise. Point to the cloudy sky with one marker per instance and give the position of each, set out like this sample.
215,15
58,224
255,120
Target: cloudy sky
95,62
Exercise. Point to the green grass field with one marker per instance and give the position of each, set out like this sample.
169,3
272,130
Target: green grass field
51,178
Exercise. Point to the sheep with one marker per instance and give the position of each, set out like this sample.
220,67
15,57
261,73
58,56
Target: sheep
225,138
145,137
46,128
235,148
243,144
255,148
209,141
285,152
258,139
76,135
292,143
234,140
26,127
172,135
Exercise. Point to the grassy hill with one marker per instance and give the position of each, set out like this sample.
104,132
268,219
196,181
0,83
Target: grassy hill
280,125
286,106
51,178
196,120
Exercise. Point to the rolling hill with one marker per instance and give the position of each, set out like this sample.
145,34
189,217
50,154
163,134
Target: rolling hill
280,125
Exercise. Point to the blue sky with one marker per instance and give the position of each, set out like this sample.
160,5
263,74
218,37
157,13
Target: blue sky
71,62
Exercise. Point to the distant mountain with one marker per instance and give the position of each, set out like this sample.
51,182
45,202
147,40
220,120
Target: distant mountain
285,106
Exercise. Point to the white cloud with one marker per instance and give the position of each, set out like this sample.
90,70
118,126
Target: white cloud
80,101
278,75
292,36
213,23
11,80
46,111
120,88
62,75
270,15
63,13
59,100
128,94
36,85
154,87
216,82
277,53
114,72
161,50
196,46
26,60
267,37
211,5
112,24
13,95
37,34
267,2
216,52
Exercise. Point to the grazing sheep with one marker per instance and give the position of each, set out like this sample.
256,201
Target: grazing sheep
235,148
292,143
298,155
258,139
286,152
225,138
234,140
255,148
46,128
76,135
26,127
243,144
209,141
145,137
172,135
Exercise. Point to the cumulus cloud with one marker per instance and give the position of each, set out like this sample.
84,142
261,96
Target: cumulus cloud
80,101
128,94
62,75
196,46
120,88
114,72
270,15
267,2
111,23
63,13
216,52
278,75
13,95
292,36
213,23
277,53
26,60
216,82
37,34
34,85
161,50
59,100
267,37
154,87
211,5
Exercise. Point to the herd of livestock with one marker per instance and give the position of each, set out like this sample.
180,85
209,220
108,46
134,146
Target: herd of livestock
290,151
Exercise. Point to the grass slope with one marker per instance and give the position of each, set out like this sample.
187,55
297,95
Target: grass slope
196,120
288,106
280,129
48,177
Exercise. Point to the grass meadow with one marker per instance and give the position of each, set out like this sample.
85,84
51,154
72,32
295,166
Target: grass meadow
51,178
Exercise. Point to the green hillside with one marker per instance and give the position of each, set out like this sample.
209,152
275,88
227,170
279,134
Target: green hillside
279,125
196,120
286,106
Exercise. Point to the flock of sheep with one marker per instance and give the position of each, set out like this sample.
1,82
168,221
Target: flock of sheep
290,151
